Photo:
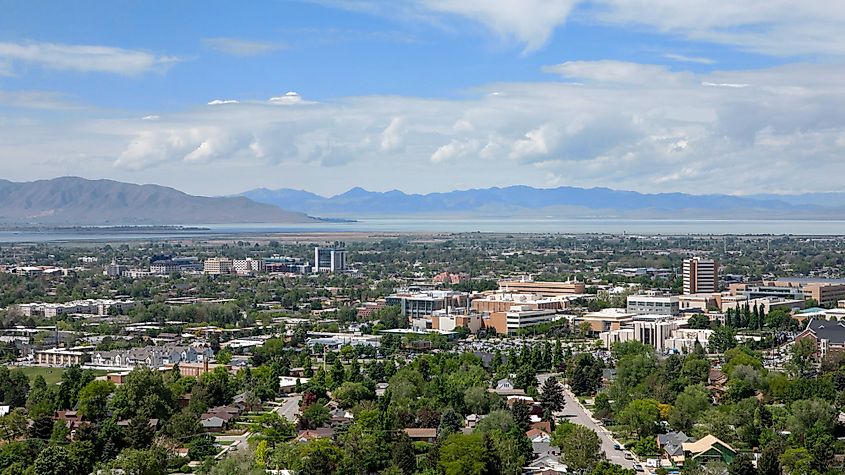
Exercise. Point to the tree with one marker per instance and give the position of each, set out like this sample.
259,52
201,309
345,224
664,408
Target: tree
53,460
768,464
319,456
403,455
350,394
641,416
463,454
313,416
551,396
802,354
94,399
151,461
606,468
810,413
201,446
139,433
722,339
273,428
223,357
796,461
143,393
585,374
499,420
526,377
742,465
450,422
689,405
580,447
521,412
699,321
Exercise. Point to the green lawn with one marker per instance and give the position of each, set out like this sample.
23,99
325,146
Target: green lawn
51,375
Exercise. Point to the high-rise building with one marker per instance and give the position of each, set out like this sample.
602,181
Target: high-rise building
217,266
700,275
329,259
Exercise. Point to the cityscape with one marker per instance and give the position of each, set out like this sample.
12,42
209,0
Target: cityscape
422,237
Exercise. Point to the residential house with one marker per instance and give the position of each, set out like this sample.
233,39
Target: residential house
827,335
422,434
671,446
707,448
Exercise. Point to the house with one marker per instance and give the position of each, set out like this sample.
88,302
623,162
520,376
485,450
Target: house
212,423
671,446
545,465
320,433
707,448
217,419
827,335
472,420
537,435
504,384
422,434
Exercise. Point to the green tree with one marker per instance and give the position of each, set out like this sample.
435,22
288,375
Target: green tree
640,416
349,394
313,416
802,356
463,454
551,396
580,447
94,400
150,461
144,394
689,405
53,460
742,465
796,461
722,339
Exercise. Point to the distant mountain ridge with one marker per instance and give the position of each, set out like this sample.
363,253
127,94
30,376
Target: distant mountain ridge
78,201
561,201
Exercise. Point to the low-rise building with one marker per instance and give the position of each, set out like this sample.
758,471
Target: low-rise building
653,304
607,319
217,266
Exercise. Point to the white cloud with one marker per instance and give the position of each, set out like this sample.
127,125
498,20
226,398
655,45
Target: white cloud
289,98
240,47
682,58
219,102
84,58
530,22
667,132
393,134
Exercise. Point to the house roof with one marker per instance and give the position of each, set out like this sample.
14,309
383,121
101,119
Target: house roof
421,432
704,444
832,331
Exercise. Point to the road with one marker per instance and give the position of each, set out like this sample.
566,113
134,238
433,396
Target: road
290,407
576,413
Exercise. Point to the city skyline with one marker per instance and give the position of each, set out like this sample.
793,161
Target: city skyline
426,96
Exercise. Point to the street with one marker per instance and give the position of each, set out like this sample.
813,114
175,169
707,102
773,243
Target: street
289,408
575,413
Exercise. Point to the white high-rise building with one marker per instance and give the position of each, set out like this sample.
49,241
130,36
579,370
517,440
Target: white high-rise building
700,275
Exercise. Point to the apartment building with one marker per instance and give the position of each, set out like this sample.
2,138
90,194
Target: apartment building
87,307
248,266
700,275
217,266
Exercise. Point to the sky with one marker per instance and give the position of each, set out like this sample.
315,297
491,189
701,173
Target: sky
218,97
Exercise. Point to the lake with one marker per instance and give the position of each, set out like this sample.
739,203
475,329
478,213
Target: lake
454,225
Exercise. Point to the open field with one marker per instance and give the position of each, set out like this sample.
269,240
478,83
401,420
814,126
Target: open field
51,375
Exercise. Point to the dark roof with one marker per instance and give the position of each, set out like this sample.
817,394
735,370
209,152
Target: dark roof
832,331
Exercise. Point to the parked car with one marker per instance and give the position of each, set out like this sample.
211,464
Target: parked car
638,467
617,446
629,456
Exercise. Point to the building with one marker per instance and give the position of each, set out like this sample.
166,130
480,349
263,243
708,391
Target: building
519,317
766,304
217,266
700,275
418,304
607,319
545,289
828,336
150,356
248,266
683,340
283,265
61,357
114,270
329,259
653,330
708,448
503,301
87,307
826,292
654,304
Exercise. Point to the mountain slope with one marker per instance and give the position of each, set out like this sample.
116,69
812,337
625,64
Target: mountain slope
516,198
77,201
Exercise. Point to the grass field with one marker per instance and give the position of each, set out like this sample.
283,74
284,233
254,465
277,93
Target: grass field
51,375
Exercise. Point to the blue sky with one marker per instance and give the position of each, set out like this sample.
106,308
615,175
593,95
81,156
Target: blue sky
424,95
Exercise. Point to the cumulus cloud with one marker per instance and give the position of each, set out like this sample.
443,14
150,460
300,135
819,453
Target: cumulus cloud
84,58
289,98
668,132
240,47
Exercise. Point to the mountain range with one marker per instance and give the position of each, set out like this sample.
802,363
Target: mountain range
77,201
565,201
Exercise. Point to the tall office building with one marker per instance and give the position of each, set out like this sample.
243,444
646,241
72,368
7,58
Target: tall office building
700,275
217,266
329,259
